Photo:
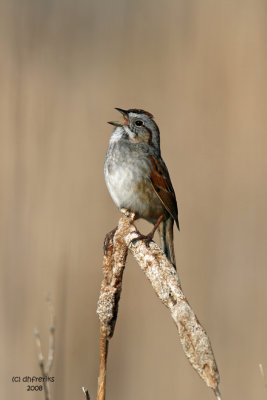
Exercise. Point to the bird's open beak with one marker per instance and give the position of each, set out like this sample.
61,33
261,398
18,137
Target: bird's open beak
123,112
125,116
115,123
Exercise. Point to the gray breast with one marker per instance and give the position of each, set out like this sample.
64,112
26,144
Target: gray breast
127,174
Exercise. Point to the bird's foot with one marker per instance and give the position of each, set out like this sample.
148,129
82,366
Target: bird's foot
108,238
146,238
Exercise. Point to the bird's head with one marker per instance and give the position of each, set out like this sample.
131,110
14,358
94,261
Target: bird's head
138,127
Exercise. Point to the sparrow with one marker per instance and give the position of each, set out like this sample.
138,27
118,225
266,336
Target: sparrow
137,177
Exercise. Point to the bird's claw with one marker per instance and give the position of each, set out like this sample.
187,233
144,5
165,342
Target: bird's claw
146,238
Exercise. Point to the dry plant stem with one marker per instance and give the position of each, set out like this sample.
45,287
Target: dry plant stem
217,393
165,281
86,393
263,375
46,369
103,345
113,267
41,364
51,349
167,286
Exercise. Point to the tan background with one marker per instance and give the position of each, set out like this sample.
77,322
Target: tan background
200,68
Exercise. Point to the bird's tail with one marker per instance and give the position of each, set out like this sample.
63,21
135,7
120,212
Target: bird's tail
166,239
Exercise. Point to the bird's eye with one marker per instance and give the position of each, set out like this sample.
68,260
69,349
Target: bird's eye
139,123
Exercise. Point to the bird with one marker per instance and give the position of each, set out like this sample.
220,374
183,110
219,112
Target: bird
137,177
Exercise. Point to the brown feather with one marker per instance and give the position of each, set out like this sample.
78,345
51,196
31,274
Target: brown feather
163,187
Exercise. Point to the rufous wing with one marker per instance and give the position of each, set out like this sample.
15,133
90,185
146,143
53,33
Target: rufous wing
162,185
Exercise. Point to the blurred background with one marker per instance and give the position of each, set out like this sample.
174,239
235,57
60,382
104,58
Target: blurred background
200,68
